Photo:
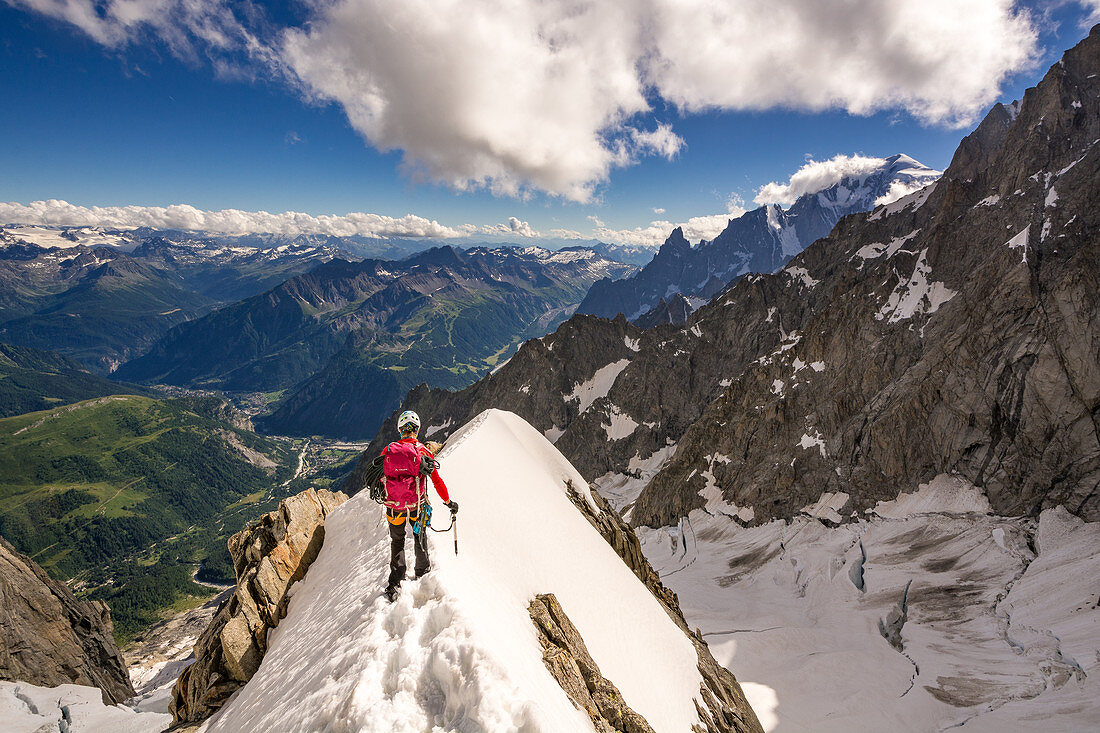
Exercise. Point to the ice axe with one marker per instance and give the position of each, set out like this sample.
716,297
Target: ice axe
454,528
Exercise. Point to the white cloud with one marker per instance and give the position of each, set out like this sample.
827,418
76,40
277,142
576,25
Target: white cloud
189,28
696,228
551,95
900,189
513,227
941,60
499,94
228,221
816,176
662,141
541,95
569,234
1092,8
658,211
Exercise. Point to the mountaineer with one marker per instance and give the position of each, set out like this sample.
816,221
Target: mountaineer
406,464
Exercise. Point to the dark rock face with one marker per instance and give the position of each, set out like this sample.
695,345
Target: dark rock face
762,240
269,557
953,331
674,312
49,638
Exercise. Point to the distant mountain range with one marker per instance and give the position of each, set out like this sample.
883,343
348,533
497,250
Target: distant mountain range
762,240
353,337
103,305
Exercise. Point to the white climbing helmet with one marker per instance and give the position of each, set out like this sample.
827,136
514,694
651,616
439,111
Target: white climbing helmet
406,419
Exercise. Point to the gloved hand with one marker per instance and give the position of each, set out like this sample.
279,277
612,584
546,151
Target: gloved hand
453,506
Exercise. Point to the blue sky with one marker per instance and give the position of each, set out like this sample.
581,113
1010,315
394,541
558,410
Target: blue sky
103,112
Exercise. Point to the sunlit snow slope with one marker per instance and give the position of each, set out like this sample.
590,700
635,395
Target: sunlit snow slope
457,650
1000,630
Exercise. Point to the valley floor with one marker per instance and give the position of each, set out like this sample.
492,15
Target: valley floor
927,615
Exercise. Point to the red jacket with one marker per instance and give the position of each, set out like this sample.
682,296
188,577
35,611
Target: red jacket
437,480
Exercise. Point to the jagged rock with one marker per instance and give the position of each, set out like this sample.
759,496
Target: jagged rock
723,707
674,312
269,556
49,638
761,240
569,662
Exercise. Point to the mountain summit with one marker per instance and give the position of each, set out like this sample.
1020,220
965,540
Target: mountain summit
762,240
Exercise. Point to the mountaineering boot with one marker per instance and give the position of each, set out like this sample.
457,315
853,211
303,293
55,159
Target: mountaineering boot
391,593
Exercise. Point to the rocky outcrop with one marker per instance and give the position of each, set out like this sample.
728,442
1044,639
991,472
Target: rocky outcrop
269,557
567,658
721,703
49,638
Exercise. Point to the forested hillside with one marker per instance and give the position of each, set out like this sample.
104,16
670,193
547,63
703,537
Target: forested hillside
124,495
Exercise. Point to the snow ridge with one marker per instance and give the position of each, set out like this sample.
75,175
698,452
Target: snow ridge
457,650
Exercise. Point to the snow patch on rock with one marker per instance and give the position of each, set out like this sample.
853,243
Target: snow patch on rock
621,425
918,295
801,274
598,385
1020,241
828,506
808,441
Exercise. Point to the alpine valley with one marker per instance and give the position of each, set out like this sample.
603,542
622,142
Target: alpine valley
375,327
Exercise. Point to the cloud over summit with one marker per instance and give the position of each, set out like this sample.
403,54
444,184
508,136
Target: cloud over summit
816,176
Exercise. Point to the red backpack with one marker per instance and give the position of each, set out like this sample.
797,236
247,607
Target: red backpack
401,466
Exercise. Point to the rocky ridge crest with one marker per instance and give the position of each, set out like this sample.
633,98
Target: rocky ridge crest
269,556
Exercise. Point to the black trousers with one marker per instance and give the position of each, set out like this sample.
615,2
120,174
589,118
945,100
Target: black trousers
397,551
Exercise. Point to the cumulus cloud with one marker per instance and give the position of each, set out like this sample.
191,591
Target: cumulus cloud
662,141
509,95
552,95
497,94
514,227
227,221
816,176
